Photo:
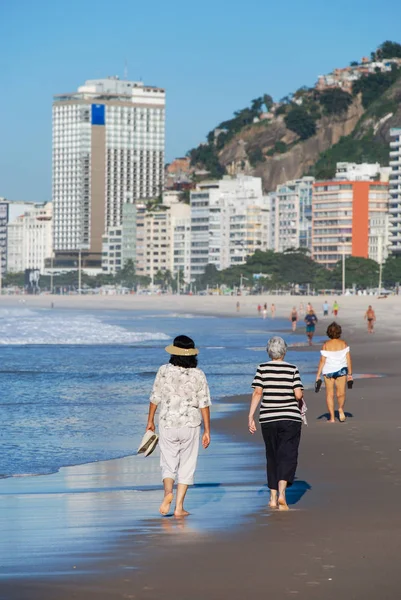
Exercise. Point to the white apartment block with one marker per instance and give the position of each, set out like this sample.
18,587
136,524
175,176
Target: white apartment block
361,172
30,239
395,191
229,221
291,215
163,240
108,150
9,211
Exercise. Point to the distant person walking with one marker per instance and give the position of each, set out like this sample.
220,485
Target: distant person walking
310,320
259,309
294,318
301,309
278,386
265,311
238,306
336,366
325,308
336,308
273,310
182,392
308,307
370,317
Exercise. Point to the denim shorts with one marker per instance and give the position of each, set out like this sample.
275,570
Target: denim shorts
341,373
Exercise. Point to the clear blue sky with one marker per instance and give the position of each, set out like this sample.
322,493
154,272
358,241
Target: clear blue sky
212,57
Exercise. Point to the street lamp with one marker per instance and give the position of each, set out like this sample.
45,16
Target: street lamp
342,240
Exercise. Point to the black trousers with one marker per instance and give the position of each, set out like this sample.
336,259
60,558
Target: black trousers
282,441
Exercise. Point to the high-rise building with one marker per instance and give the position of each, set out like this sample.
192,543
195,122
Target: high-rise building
395,191
291,215
30,239
229,221
108,150
119,244
350,218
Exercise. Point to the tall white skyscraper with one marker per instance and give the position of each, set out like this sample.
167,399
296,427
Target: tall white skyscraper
108,149
395,191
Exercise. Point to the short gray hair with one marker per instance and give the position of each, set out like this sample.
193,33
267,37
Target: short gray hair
276,348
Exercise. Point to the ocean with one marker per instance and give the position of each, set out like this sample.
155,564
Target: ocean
75,384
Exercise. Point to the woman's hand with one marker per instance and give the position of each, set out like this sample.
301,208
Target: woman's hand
205,440
251,425
151,426
350,378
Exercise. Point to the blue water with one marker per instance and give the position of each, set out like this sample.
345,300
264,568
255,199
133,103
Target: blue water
75,384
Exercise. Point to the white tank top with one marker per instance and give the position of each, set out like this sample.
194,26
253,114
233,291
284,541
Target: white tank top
335,360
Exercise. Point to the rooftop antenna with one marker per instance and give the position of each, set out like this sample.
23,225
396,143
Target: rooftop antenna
125,69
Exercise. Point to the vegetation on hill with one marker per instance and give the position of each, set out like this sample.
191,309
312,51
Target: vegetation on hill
250,138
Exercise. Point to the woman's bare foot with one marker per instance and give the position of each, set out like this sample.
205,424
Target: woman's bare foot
341,415
180,512
282,504
165,505
273,499
331,420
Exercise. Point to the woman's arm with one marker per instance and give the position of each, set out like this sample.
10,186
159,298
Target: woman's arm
151,416
349,365
256,397
206,426
322,362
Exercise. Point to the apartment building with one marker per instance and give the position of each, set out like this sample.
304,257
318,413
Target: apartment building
108,150
119,244
349,217
291,215
30,239
395,191
229,221
9,211
163,239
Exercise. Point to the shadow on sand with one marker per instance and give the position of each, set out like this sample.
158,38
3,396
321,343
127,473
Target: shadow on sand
327,416
293,493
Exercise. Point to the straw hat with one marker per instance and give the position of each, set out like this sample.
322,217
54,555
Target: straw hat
182,346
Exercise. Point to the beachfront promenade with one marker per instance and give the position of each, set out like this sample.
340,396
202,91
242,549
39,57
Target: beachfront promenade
341,537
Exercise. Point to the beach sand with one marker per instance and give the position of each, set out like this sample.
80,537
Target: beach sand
342,534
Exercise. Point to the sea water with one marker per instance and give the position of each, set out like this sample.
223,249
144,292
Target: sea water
75,385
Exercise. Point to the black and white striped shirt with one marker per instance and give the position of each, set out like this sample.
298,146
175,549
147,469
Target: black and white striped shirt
278,379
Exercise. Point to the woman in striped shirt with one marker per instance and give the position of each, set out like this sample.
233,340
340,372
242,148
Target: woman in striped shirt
278,385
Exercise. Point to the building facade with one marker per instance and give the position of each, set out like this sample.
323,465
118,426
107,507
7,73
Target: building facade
291,215
30,239
395,191
9,211
163,240
119,243
229,221
108,150
349,217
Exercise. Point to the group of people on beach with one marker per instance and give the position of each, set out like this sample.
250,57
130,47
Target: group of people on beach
181,392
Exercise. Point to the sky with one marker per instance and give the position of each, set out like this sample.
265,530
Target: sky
212,57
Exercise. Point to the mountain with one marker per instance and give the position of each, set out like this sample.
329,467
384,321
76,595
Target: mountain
347,116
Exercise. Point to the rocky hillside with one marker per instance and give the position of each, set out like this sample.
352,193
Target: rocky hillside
308,132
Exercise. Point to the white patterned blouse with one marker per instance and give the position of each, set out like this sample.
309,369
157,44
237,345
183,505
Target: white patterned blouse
181,394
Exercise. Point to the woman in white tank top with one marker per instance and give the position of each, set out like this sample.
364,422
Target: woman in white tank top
336,367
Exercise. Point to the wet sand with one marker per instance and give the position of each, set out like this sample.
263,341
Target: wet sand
340,538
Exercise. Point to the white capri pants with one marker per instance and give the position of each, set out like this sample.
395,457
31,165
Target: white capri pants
179,448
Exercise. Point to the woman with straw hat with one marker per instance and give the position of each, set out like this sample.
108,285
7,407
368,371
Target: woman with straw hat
182,391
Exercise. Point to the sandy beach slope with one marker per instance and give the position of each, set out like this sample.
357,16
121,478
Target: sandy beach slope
341,537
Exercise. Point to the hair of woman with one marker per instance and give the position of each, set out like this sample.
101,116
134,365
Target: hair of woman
276,348
187,362
334,331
